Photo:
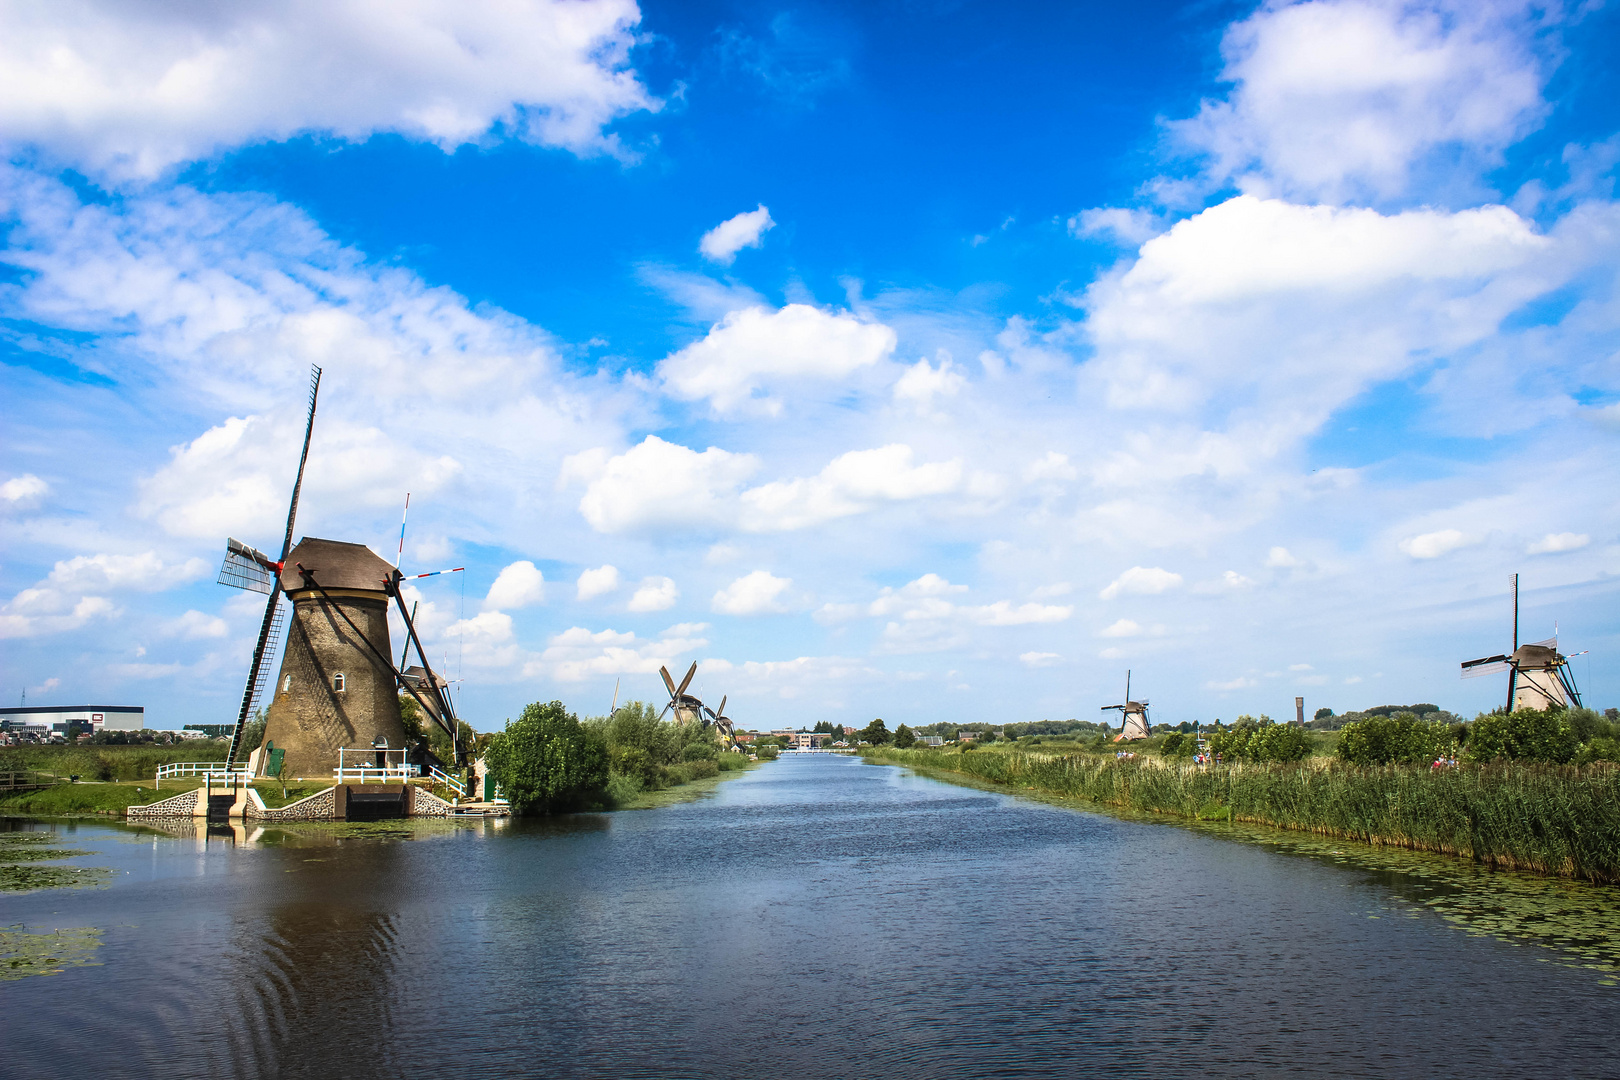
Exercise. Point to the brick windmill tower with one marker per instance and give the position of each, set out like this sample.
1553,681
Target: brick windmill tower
337,688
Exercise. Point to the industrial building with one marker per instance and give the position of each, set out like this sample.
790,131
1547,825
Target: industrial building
48,720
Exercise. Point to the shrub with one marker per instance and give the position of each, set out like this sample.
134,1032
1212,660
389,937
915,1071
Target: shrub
1526,735
699,751
904,738
546,761
1380,740
1178,744
1261,740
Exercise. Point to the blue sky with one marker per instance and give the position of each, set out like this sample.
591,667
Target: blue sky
904,360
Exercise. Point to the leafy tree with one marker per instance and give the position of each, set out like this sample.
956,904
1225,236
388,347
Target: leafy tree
876,733
1526,735
546,761
1322,714
1178,744
904,739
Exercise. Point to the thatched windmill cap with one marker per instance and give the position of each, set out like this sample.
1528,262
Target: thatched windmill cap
336,565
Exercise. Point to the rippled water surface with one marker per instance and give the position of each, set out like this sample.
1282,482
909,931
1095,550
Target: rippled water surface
816,917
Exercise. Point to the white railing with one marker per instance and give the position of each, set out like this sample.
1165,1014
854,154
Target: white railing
439,776
372,766
360,774
213,769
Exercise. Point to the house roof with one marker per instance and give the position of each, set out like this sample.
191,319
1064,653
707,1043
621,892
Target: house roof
335,565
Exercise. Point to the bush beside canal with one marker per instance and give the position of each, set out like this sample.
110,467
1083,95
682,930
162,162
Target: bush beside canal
1551,819
549,761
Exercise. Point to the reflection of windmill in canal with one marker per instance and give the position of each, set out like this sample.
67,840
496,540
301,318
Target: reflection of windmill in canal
338,688
1133,715
1538,674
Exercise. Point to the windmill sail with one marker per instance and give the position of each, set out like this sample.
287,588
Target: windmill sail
247,568
269,627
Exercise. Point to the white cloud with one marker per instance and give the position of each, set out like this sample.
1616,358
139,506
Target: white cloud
1554,543
758,593
1239,683
1300,667
1129,228
1342,98
597,582
1122,628
129,90
754,351
1039,659
1229,309
1051,467
658,484
577,653
850,484
1432,545
921,383
519,585
654,594
1141,581
23,489
196,624
721,243
70,596
1046,592
1280,558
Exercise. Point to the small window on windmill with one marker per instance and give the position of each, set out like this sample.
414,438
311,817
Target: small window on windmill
286,684
337,682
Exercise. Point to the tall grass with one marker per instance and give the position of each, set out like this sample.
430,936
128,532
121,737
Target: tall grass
139,762
1551,819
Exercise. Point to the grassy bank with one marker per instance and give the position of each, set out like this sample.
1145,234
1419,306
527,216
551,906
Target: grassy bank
107,763
1560,820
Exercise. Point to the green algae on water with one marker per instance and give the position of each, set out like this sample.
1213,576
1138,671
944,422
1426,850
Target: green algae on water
24,953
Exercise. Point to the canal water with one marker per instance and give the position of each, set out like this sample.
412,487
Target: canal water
816,917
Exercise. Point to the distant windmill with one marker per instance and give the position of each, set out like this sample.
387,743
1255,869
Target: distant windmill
688,709
722,722
1538,674
1133,715
338,688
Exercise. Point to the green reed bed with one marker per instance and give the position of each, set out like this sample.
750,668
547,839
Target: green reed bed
1561,820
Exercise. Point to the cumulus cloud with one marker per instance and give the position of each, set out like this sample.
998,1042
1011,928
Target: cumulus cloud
754,351
519,585
662,485
925,620
72,594
196,624
850,484
578,653
129,90
1141,581
922,382
1553,543
1280,558
1039,659
23,489
654,594
1122,628
721,243
758,593
1183,328
658,484
597,582
1336,99
1432,545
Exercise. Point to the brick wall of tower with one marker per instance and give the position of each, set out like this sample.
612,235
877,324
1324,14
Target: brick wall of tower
309,717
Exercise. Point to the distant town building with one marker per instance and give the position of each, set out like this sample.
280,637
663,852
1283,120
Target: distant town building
54,719
967,736
744,737
809,740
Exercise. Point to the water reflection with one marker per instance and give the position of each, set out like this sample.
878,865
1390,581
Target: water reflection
813,918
